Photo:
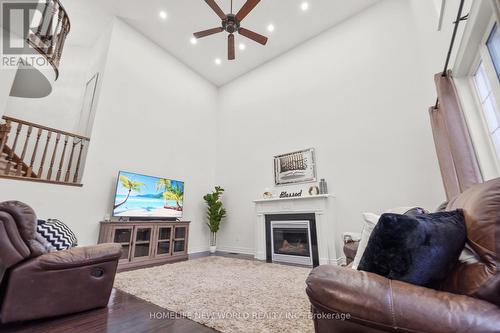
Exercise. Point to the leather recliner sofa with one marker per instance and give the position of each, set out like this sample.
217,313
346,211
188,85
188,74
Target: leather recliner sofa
345,300
36,284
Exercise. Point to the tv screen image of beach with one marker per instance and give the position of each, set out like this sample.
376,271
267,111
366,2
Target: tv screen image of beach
145,196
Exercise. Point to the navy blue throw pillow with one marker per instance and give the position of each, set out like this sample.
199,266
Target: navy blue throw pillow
419,249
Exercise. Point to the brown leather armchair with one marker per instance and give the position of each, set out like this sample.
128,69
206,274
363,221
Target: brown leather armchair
346,300
36,284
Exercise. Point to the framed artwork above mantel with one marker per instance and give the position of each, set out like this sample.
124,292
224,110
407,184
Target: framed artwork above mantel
296,167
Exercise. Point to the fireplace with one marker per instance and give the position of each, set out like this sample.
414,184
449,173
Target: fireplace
291,238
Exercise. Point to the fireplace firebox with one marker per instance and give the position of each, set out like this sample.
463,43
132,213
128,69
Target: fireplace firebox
291,238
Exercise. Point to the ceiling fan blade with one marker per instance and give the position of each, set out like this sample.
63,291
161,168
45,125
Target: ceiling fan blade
216,9
246,9
253,36
230,47
208,32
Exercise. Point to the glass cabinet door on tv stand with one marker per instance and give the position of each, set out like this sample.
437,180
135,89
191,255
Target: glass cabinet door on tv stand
180,244
164,241
147,242
141,246
123,236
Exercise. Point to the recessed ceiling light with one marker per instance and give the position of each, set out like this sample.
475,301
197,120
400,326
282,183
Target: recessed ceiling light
242,46
163,15
218,61
304,6
194,40
270,28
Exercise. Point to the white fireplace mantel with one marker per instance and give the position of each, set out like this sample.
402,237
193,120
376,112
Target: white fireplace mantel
320,205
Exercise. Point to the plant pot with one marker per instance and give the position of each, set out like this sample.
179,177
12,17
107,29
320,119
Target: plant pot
213,249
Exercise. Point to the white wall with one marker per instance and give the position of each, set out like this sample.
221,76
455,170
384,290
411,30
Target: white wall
84,123
6,79
156,117
359,94
62,107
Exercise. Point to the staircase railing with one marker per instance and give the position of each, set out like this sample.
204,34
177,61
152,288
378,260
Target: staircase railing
34,152
51,30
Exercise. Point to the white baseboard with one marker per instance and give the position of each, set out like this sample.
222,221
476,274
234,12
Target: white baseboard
236,249
249,251
198,250
338,262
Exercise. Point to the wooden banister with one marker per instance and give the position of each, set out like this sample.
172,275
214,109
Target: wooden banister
48,38
49,129
53,159
10,157
4,135
23,154
23,163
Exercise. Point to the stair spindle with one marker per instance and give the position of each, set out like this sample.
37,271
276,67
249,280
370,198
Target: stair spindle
42,21
53,159
11,153
4,135
29,173
56,35
70,162
23,154
44,155
77,170
38,141
61,162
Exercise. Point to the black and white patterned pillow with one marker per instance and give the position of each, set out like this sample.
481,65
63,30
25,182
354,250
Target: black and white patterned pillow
57,233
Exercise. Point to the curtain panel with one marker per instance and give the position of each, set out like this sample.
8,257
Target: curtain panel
456,155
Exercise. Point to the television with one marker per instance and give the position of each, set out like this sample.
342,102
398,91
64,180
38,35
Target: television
146,197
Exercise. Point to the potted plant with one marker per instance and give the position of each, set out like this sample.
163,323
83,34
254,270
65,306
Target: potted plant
215,214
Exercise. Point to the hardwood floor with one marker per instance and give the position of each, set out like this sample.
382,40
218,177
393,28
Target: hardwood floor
124,314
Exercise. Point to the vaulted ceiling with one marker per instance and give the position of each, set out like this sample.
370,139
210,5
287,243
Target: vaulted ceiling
171,23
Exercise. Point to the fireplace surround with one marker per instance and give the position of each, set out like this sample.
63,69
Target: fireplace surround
292,238
320,209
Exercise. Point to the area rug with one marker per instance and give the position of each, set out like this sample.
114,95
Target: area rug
229,295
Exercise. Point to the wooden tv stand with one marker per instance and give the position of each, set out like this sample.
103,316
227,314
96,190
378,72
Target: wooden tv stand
146,243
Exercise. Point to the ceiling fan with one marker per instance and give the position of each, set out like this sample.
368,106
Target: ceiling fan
231,24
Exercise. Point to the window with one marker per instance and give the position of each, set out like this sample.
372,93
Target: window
493,44
476,73
488,105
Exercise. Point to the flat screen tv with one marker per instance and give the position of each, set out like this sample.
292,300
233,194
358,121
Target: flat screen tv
140,196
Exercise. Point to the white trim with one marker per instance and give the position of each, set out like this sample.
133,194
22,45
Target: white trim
342,261
198,250
236,249
483,56
319,196
470,53
441,14
328,242
496,8
477,24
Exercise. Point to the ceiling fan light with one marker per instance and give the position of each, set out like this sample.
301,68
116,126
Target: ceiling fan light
304,6
218,61
163,15
194,40
270,28
242,46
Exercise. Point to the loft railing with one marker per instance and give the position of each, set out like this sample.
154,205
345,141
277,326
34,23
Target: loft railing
34,152
50,32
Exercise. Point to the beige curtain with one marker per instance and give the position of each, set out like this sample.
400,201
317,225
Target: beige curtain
456,155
